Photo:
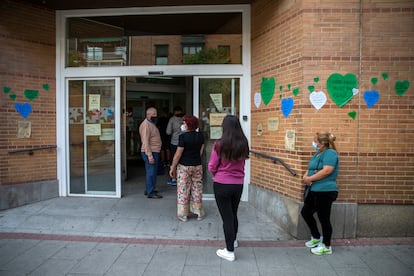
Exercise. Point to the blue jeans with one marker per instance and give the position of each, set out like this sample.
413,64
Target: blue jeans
151,172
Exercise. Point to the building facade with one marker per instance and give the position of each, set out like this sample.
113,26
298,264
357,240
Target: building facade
294,68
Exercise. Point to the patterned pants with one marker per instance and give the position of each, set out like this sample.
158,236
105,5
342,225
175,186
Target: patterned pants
189,190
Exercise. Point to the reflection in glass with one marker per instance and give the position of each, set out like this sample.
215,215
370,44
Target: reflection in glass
170,39
217,98
92,136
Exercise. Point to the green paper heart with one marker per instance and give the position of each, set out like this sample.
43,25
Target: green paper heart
12,96
401,87
374,81
281,88
340,88
289,86
267,89
6,89
352,114
311,88
45,86
385,76
31,94
316,79
296,91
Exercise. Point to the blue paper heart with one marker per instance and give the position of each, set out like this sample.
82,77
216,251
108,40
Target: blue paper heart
371,97
23,109
287,106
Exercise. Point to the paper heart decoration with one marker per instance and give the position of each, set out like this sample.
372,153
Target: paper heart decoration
12,96
267,89
352,114
287,106
23,109
401,87
296,91
6,89
257,99
31,94
340,88
355,91
45,86
371,97
317,99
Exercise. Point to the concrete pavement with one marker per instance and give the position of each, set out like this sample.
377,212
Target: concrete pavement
139,236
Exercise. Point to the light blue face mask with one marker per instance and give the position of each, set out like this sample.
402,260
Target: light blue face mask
315,145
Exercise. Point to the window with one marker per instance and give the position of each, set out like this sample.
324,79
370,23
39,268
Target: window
161,54
224,51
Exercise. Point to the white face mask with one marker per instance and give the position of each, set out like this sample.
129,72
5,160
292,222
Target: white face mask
315,145
183,128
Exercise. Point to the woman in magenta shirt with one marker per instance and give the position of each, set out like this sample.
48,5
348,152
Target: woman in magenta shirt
227,167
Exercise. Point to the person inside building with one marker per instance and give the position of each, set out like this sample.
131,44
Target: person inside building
165,158
150,151
227,167
321,176
174,129
187,167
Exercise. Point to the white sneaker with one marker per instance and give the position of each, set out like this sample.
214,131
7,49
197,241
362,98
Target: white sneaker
321,250
236,244
227,255
314,242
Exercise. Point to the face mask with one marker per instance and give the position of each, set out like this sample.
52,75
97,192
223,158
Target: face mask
154,119
315,145
183,128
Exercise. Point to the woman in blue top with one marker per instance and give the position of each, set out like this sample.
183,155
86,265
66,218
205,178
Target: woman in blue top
321,176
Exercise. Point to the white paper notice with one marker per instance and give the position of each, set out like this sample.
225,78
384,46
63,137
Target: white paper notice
215,132
257,99
217,100
93,129
290,139
94,102
107,134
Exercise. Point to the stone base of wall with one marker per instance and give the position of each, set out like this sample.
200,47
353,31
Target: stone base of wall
349,220
385,220
286,213
12,196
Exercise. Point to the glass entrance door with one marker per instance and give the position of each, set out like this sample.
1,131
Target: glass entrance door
215,97
94,137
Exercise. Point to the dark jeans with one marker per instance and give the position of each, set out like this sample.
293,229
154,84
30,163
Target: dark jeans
173,149
151,172
228,199
321,203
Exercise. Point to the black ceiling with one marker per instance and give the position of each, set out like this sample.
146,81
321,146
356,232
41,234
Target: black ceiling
99,4
211,23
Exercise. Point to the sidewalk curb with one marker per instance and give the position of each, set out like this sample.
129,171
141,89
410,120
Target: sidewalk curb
208,243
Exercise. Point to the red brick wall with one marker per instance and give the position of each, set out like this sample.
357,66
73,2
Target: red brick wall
143,48
298,42
27,61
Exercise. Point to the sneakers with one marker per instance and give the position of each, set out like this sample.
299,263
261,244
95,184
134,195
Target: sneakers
227,255
155,196
313,242
172,182
321,250
182,218
236,244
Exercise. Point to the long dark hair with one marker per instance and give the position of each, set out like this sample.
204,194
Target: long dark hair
233,144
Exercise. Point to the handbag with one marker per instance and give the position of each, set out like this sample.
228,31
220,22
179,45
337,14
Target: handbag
306,192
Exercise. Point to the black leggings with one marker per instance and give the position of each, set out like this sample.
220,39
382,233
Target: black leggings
321,203
228,199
